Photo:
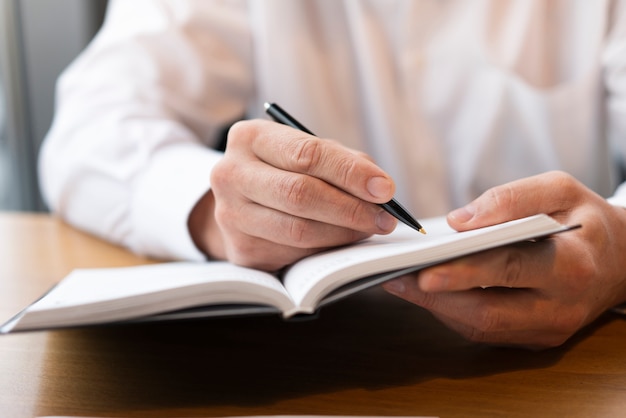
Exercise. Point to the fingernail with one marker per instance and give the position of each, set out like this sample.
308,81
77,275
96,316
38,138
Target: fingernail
394,286
463,214
385,221
379,186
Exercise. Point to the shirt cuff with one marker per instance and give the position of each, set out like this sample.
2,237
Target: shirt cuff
619,198
177,177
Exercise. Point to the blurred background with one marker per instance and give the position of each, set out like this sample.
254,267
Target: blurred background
38,39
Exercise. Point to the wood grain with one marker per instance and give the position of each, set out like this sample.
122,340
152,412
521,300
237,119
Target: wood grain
371,354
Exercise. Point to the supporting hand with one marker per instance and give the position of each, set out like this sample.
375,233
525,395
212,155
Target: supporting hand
535,294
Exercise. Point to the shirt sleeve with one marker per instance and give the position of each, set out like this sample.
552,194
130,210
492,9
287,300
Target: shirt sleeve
129,152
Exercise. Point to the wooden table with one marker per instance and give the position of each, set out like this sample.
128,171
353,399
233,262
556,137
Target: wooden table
371,354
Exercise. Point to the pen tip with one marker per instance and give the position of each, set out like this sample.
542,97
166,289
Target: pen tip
423,231
266,105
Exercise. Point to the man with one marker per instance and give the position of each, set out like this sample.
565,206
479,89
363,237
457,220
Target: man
518,104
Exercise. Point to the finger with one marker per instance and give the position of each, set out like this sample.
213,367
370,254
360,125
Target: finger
306,197
288,230
523,265
551,193
535,339
262,254
292,150
494,315
477,307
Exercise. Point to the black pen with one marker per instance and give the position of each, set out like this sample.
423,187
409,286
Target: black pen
393,207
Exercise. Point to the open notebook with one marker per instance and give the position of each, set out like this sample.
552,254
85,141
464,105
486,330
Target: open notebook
188,289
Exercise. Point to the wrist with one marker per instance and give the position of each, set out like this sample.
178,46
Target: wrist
203,228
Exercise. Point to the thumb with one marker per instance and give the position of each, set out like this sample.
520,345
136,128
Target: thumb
545,193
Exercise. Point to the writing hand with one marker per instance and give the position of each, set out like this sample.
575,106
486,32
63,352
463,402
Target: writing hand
279,194
534,294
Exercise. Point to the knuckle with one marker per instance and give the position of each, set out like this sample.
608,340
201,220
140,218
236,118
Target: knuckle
562,178
241,132
223,216
307,154
220,177
347,169
294,189
503,197
512,268
426,300
567,186
297,231
484,322
476,336
352,213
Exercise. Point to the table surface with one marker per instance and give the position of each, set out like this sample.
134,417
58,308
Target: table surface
370,354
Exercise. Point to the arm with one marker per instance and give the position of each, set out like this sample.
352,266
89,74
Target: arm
137,114
127,156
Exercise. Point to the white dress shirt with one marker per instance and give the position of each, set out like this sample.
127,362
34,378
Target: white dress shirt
450,97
